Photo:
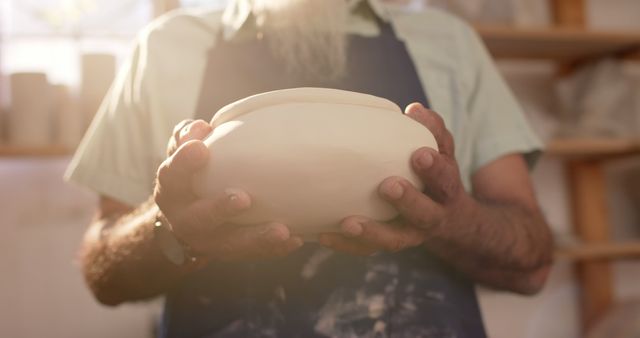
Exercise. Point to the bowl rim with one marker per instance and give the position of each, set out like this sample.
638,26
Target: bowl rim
300,95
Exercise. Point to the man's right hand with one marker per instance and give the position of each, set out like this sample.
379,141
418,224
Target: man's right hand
203,223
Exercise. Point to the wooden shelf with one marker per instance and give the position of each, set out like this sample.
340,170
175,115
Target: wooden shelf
600,251
558,44
593,147
20,151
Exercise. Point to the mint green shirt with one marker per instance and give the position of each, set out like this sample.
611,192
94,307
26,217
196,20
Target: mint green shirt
160,84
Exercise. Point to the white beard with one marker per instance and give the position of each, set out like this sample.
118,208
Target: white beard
308,35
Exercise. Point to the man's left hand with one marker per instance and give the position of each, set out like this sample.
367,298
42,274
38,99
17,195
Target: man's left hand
420,213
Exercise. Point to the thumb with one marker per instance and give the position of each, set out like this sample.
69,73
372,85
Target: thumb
439,174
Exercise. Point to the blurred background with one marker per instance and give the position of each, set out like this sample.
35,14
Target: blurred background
573,64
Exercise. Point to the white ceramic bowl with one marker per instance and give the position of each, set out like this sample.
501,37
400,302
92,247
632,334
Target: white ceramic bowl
309,157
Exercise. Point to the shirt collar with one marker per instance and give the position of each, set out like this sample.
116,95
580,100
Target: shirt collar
238,12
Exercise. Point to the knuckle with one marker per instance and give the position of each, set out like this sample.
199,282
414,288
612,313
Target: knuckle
449,187
429,219
449,138
419,217
448,142
412,215
437,119
162,174
172,145
411,200
159,197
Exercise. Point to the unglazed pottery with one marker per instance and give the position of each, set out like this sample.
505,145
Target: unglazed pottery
309,157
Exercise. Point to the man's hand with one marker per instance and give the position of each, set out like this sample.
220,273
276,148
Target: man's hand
421,212
497,236
202,223
121,259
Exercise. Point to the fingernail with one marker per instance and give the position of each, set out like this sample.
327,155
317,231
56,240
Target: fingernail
392,189
424,160
232,194
185,130
237,198
352,229
411,107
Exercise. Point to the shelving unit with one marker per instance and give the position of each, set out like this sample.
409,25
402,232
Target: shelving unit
593,148
600,251
20,151
585,159
569,43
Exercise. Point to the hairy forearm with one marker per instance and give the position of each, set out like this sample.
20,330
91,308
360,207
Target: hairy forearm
499,245
121,261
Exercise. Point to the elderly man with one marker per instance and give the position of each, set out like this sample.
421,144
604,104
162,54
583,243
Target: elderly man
476,222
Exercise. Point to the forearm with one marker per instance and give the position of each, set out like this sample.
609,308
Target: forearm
121,261
502,246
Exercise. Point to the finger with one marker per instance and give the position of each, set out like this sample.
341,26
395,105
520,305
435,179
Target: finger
180,125
439,174
250,242
172,145
419,113
175,173
196,130
188,130
213,212
350,246
434,122
413,205
391,237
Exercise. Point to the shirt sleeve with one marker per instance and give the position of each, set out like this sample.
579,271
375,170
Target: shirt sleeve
114,157
499,126
157,87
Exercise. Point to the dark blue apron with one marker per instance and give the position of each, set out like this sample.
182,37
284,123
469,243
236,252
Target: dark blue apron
316,292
